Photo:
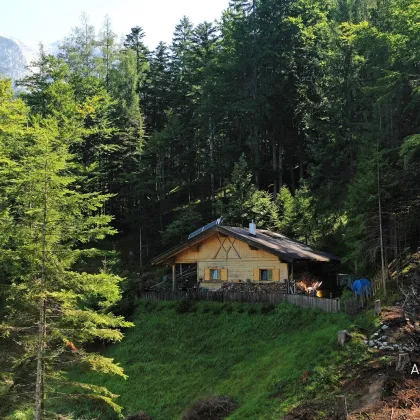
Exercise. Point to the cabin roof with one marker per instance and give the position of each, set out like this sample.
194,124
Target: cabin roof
271,242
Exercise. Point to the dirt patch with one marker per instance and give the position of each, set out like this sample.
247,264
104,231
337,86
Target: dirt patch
371,395
393,317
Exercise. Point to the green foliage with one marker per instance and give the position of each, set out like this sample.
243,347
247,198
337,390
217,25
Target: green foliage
242,190
312,95
48,219
246,203
367,322
188,221
286,210
321,96
346,295
263,210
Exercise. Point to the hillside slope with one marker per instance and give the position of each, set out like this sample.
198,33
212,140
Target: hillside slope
267,359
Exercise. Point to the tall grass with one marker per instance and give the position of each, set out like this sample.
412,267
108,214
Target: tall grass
259,357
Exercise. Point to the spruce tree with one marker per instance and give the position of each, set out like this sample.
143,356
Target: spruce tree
53,305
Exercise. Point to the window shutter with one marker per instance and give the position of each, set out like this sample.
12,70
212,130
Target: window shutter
224,274
207,274
256,274
276,274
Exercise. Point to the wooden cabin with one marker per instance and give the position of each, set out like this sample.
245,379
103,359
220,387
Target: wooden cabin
217,254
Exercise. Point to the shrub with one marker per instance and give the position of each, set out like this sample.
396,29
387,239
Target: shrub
212,408
185,306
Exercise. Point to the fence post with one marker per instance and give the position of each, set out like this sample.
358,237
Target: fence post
403,361
378,307
341,407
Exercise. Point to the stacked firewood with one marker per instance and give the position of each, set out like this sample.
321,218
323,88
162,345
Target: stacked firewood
255,287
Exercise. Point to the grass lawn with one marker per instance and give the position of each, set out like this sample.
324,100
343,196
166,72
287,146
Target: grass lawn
257,355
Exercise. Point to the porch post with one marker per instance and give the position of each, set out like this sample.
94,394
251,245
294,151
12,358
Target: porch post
173,278
292,280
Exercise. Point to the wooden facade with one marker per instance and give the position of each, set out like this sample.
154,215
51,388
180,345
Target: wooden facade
221,254
236,260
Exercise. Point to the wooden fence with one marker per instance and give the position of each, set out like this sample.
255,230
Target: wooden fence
350,306
303,301
377,283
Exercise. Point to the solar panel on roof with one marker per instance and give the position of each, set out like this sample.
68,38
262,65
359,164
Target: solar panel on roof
206,227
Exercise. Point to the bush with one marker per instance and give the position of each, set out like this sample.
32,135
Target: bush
346,295
186,306
213,408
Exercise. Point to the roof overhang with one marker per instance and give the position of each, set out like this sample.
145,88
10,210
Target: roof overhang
168,256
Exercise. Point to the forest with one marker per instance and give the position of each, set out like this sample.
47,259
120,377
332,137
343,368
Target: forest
300,114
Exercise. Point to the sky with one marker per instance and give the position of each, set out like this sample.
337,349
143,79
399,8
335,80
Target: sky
47,21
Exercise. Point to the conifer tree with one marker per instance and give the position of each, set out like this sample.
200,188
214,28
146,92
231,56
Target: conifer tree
134,41
107,43
52,306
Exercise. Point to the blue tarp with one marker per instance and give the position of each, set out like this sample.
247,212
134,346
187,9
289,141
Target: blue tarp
362,285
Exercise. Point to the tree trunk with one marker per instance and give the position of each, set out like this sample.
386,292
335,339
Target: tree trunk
40,365
40,374
141,249
274,155
292,178
381,236
280,173
211,143
300,164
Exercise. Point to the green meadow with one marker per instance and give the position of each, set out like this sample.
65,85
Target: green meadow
267,359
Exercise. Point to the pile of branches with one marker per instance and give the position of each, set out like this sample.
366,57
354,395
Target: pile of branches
275,287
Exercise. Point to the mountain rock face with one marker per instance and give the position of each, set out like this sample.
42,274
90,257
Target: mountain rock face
12,60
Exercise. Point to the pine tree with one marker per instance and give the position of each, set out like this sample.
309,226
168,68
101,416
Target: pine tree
52,307
78,49
286,209
134,41
241,190
107,43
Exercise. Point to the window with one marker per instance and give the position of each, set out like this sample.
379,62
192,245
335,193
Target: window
216,274
266,274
